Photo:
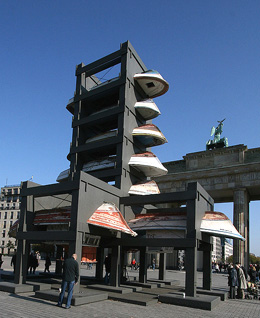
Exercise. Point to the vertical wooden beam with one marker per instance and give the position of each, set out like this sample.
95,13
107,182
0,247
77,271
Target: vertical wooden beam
114,275
191,271
100,263
143,265
162,266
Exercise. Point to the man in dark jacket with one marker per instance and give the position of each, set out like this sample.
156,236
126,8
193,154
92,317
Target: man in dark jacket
69,278
232,281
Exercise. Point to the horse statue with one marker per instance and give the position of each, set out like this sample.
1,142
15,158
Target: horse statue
217,142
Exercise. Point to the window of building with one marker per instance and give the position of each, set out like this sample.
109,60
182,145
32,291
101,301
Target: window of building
5,215
12,215
3,234
18,214
11,223
3,243
4,224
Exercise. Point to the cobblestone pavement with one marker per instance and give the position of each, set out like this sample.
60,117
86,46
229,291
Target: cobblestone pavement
25,305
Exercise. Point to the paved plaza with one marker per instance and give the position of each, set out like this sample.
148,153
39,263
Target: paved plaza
25,305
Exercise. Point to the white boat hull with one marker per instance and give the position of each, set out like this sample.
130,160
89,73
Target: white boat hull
149,165
152,83
218,224
213,223
145,188
147,109
149,135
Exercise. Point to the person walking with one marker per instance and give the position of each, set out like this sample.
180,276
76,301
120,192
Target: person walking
1,260
107,263
35,263
69,278
30,263
13,261
47,264
133,264
153,264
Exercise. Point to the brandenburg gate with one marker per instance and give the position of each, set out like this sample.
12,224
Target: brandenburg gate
229,174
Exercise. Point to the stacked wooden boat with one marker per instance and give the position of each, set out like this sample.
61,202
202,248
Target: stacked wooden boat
94,165
152,83
144,188
147,109
148,164
148,135
108,216
175,225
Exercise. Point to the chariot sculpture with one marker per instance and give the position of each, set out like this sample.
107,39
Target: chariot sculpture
217,142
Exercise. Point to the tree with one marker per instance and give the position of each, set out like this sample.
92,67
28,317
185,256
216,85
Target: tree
10,245
254,259
230,259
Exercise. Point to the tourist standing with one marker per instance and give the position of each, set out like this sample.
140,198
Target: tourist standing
69,278
232,281
242,284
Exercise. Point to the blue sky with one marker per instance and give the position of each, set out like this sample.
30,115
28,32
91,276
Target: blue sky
208,51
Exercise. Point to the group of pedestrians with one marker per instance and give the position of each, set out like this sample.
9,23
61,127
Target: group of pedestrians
219,267
237,280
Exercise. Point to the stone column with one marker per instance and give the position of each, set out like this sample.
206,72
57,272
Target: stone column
241,222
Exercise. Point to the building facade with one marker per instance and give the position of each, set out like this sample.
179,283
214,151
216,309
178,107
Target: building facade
222,249
9,213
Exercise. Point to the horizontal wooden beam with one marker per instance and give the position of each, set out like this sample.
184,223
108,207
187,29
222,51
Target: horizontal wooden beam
51,189
101,64
135,242
47,235
168,210
159,198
